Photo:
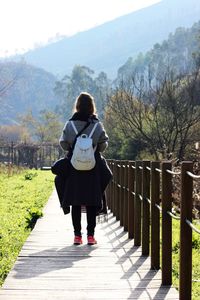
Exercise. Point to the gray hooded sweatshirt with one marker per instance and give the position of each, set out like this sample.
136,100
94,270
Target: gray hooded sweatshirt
99,137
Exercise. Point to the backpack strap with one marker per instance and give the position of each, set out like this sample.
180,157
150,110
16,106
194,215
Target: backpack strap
74,127
93,129
78,133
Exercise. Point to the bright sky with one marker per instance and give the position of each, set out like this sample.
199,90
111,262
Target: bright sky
25,24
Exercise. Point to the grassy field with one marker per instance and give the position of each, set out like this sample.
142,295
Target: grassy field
23,194
195,259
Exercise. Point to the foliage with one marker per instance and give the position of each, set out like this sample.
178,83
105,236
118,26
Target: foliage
81,79
195,259
33,214
123,144
45,128
179,51
21,203
30,175
160,113
155,104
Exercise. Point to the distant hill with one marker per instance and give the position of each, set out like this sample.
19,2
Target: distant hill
31,89
104,48
107,47
180,53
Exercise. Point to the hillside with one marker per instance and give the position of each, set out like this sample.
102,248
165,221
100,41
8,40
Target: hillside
107,47
180,52
31,89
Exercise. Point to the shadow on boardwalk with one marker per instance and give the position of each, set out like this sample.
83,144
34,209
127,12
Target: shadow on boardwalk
50,267
50,260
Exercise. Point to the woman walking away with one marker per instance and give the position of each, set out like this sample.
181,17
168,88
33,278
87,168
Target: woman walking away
84,187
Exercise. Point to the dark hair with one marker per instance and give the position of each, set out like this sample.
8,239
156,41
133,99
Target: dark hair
85,104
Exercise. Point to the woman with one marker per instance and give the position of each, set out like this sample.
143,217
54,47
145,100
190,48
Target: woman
84,188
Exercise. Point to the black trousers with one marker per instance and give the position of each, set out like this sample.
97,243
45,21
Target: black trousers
91,219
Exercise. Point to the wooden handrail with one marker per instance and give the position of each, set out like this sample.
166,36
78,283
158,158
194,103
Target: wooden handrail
135,202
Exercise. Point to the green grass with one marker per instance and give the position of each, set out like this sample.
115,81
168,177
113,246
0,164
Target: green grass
195,259
23,194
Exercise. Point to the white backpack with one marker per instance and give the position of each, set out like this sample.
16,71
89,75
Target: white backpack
83,154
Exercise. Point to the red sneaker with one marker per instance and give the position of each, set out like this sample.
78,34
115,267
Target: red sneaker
78,240
91,240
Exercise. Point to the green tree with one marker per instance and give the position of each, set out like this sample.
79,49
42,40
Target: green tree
82,79
176,52
45,129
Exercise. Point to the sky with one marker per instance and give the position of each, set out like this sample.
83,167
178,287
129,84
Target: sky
26,24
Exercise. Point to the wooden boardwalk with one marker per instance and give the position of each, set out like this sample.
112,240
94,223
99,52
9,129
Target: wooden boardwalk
49,266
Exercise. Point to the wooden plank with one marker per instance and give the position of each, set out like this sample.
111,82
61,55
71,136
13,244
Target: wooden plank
49,266
96,294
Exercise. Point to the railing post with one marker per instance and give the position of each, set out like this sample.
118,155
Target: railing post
121,194
166,224
125,196
114,187
111,188
117,195
131,180
145,207
186,232
137,204
155,216
108,191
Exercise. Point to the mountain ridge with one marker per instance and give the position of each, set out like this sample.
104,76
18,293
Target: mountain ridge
107,46
32,90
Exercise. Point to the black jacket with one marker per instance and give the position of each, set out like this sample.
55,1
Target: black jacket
82,187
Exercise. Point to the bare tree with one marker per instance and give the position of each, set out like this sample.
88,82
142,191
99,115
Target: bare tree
160,111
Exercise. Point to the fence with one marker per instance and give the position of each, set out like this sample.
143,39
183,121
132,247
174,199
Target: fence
31,155
139,194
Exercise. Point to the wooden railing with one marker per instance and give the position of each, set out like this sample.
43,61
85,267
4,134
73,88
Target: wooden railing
139,194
